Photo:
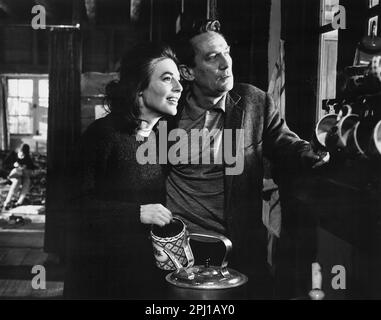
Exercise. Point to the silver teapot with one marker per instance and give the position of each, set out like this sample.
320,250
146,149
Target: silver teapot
176,249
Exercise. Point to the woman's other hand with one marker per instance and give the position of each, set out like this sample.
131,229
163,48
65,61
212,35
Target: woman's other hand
155,214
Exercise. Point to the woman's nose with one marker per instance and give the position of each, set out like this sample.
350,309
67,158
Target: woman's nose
177,85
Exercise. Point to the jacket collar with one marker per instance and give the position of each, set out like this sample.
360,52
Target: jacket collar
231,102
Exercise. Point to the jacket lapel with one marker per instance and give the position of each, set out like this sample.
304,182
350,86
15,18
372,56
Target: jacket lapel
233,120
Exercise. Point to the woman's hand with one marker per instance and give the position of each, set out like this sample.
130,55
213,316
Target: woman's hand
155,214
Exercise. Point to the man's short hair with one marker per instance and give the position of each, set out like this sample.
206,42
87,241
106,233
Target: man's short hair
189,29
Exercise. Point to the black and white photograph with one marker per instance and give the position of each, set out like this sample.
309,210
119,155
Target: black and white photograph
190,151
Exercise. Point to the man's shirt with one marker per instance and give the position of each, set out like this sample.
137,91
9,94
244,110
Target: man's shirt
195,187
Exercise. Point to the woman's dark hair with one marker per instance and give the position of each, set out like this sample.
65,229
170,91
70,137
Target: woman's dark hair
25,149
135,71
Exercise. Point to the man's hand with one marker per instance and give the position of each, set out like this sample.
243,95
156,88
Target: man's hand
155,214
310,159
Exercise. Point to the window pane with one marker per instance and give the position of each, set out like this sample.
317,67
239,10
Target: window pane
43,103
43,122
329,8
43,88
25,124
43,129
20,124
327,68
13,106
373,3
12,87
25,106
26,88
13,124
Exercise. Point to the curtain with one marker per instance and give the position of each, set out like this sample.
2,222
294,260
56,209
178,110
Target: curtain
64,126
4,133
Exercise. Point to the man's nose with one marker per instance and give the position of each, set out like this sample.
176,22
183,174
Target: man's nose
225,62
177,86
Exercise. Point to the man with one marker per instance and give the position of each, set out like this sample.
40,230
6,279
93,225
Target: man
206,196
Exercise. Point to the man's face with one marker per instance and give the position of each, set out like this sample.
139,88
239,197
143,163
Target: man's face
212,72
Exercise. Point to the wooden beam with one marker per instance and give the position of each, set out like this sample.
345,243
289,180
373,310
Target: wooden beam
24,68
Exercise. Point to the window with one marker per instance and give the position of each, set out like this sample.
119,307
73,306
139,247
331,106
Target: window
43,100
20,105
27,102
328,55
373,3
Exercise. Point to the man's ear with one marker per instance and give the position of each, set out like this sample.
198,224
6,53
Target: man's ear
186,72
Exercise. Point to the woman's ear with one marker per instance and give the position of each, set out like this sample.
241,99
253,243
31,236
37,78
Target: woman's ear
140,99
186,72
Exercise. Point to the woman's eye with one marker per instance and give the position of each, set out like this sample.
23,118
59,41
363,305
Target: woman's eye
167,79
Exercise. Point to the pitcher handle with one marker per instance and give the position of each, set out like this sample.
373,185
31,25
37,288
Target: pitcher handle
188,253
228,247
341,113
174,260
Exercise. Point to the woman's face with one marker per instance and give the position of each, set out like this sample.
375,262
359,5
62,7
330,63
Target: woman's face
20,154
163,91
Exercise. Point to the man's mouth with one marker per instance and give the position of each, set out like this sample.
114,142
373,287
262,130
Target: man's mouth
225,77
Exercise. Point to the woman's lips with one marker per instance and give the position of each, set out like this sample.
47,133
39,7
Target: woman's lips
173,100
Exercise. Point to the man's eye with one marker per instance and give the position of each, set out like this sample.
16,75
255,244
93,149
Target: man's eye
212,57
167,79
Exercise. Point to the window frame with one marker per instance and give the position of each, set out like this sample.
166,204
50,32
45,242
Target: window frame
35,99
323,29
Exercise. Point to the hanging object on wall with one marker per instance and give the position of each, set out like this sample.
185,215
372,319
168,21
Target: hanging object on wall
135,6
369,46
91,8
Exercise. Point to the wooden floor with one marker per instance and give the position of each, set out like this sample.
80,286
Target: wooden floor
21,249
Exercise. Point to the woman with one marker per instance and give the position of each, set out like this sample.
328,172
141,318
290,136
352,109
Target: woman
23,166
111,254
